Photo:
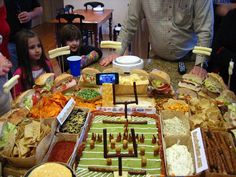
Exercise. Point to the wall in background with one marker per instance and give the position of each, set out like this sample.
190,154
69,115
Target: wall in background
120,9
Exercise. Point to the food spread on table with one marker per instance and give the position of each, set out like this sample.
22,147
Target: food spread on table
142,103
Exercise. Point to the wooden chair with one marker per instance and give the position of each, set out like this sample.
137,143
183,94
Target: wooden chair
68,9
69,19
94,4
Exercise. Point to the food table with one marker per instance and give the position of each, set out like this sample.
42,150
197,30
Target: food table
168,66
157,138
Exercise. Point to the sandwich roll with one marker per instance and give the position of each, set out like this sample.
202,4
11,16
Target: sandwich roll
10,83
191,81
44,82
193,78
185,93
219,79
159,75
64,82
88,76
45,78
189,85
213,85
160,82
27,99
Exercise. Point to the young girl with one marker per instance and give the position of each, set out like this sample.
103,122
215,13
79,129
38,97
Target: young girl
32,60
70,35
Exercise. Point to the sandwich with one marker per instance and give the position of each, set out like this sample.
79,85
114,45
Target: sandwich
64,82
213,85
186,94
160,82
226,97
88,77
191,81
44,82
27,99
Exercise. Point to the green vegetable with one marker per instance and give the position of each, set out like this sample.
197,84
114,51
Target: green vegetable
87,94
156,83
28,102
8,130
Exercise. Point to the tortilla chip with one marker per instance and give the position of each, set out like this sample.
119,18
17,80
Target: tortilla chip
8,149
23,149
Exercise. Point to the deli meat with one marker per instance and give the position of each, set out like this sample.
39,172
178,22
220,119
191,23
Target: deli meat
197,70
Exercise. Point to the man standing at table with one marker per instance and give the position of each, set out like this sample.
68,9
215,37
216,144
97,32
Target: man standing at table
175,27
19,15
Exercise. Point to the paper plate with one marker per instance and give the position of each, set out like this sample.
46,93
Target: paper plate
128,60
128,63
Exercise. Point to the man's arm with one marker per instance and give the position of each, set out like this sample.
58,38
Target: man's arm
203,25
36,12
133,18
25,16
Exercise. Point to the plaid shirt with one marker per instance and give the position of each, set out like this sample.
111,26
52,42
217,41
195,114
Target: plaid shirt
175,26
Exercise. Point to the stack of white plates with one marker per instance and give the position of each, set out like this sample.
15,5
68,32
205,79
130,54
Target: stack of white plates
128,63
98,9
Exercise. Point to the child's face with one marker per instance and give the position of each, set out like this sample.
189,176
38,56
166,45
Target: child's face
35,49
74,45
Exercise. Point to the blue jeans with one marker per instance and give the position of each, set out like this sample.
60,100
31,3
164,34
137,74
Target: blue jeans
13,56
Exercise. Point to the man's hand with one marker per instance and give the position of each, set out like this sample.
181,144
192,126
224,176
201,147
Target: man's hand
107,60
5,65
24,17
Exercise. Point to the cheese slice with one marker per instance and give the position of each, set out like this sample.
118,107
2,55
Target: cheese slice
59,54
202,52
11,83
110,44
54,51
110,47
203,48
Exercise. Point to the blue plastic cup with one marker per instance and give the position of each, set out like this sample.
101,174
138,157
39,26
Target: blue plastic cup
74,64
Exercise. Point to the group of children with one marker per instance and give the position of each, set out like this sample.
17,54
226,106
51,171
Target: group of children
33,61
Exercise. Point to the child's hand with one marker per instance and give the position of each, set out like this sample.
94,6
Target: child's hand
5,65
107,60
